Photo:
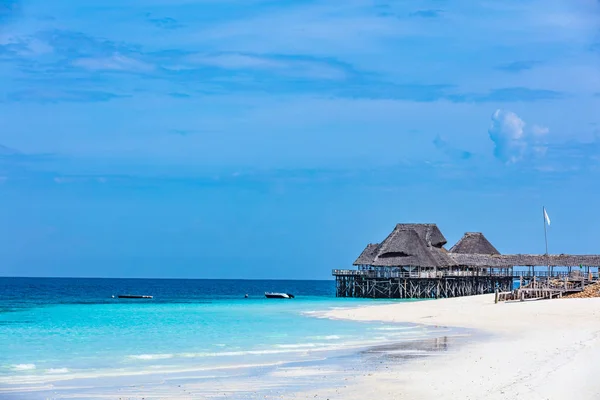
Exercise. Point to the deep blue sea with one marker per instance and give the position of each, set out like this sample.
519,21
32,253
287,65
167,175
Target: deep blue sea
60,330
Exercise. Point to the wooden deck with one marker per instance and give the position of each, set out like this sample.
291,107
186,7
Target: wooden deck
548,287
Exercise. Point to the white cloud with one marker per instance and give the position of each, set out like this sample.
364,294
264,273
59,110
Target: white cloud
539,130
513,140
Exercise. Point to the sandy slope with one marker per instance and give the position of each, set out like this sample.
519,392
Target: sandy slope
537,350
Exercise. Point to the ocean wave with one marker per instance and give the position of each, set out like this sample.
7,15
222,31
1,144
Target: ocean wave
299,345
277,349
111,373
328,337
151,356
57,371
394,328
235,353
23,367
315,314
283,350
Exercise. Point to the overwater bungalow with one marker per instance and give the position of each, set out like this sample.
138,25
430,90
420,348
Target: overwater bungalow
412,262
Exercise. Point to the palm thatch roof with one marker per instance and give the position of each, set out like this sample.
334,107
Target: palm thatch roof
408,245
430,233
368,254
533,260
474,243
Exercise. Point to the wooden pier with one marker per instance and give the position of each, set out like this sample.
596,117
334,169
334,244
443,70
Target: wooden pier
419,287
413,263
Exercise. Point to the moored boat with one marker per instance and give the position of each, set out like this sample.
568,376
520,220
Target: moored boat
133,296
271,295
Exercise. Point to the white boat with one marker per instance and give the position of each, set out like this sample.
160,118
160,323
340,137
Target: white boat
270,295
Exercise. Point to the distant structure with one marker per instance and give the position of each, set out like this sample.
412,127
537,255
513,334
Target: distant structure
413,263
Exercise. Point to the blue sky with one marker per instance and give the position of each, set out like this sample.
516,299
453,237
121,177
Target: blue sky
274,139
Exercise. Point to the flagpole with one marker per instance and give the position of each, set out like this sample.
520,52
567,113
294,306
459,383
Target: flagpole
545,234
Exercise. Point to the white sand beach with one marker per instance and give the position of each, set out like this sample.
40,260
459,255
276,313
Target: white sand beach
535,350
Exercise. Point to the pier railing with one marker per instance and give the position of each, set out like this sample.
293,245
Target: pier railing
421,274
556,274
386,274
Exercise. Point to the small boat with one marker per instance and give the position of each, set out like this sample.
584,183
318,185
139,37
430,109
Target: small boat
133,296
270,295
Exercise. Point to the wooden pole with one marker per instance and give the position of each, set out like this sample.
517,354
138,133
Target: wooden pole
545,237
545,234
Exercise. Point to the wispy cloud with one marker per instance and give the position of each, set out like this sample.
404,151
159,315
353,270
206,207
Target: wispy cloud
571,156
78,179
78,50
10,154
179,95
199,51
8,151
16,165
61,96
521,94
73,44
181,132
9,9
513,140
427,13
518,66
116,62
450,150
297,66
509,95
164,22
385,90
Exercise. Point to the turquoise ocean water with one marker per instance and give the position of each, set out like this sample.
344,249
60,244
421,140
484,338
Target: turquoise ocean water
59,330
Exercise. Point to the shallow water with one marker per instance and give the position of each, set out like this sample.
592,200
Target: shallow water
55,331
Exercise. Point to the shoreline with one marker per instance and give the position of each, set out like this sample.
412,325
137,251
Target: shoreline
339,361
268,381
475,349
531,350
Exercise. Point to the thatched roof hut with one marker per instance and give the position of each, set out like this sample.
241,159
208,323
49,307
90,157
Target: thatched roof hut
408,245
474,243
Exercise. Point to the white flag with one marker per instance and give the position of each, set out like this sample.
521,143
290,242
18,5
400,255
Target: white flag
546,216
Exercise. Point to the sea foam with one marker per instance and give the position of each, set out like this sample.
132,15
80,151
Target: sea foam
57,371
151,356
328,337
23,367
